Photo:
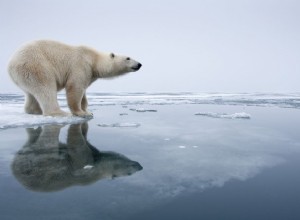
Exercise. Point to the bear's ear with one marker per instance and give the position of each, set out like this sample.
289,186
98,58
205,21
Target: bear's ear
112,55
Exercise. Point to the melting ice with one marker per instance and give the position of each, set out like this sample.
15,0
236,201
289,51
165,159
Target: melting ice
12,113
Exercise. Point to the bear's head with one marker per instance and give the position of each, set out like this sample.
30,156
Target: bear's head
113,65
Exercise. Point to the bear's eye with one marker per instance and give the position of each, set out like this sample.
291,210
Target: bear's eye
128,58
112,55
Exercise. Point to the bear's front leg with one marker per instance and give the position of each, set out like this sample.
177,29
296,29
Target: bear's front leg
74,98
84,104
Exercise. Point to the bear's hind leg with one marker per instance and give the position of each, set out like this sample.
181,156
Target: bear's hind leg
49,104
32,106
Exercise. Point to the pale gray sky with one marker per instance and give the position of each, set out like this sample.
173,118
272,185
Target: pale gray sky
198,46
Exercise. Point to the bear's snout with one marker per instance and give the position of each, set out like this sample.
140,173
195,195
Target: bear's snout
137,67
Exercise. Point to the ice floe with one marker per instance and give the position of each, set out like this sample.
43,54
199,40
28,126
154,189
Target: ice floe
142,110
121,125
239,115
13,116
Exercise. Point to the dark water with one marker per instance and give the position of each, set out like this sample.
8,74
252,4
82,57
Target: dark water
175,165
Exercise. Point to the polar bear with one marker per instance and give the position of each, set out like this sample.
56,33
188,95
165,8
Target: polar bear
42,68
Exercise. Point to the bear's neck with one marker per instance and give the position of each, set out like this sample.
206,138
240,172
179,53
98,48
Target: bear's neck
103,69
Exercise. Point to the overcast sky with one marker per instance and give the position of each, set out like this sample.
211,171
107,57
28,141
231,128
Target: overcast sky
198,46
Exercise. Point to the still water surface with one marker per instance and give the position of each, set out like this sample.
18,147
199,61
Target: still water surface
163,164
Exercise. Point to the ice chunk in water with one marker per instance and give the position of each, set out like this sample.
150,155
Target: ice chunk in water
121,125
142,110
239,115
88,167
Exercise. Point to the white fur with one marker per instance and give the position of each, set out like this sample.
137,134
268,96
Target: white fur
41,68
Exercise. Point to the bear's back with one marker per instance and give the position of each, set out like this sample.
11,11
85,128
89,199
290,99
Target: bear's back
46,51
43,56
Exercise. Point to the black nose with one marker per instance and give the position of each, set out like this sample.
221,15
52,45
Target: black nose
137,67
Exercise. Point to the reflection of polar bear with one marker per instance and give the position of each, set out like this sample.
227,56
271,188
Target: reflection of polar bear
45,164
42,68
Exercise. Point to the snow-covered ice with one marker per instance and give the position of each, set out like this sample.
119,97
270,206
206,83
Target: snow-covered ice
13,116
284,100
